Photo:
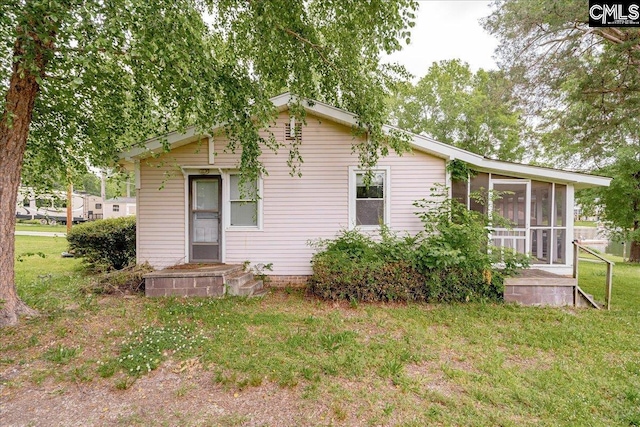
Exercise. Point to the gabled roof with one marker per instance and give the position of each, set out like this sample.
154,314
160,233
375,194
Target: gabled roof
120,200
418,142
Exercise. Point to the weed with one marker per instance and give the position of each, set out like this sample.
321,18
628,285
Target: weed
124,383
391,369
339,412
60,354
107,369
183,390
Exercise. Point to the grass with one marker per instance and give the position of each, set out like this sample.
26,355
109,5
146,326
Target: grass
40,227
585,223
461,364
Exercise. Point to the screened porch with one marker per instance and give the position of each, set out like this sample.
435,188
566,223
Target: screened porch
536,214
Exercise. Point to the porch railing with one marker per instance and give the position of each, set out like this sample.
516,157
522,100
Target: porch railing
609,278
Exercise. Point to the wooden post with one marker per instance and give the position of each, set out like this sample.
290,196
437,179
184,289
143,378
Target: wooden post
609,280
575,260
69,207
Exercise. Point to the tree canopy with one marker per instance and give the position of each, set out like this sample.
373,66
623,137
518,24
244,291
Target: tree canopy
474,111
121,71
84,79
580,83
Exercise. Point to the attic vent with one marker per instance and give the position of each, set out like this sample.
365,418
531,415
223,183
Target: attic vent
297,131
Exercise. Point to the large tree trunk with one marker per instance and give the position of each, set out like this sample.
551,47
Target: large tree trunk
14,130
634,252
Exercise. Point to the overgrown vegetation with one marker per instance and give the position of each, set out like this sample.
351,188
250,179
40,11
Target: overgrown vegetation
450,261
127,281
104,245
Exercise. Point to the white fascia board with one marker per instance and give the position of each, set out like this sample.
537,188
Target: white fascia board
438,149
483,164
580,180
155,144
334,114
281,102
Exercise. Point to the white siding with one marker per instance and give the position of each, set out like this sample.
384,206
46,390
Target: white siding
296,210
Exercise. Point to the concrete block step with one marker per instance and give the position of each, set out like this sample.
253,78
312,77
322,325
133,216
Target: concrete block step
248,289
238,279
585,299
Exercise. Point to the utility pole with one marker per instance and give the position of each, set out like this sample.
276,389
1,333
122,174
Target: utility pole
69,207
103,188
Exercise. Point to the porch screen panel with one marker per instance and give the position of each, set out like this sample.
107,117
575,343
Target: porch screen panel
541,246
512,204
541,204
459,191
560,224
541,214
559,240
479,186
560,219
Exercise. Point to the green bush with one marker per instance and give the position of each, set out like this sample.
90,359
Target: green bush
450,261
108,244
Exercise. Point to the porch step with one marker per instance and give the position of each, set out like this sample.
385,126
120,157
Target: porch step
210,280
546,290
584,299
248,289
238,279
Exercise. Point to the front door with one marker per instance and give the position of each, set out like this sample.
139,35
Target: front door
205,194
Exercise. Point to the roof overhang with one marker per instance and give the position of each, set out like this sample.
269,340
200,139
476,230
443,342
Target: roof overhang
418,142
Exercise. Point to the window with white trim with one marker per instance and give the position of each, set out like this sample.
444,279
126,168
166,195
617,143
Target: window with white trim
243,202
369,201
116,208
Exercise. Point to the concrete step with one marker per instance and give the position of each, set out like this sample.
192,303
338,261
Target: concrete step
585,300
238,279
249,289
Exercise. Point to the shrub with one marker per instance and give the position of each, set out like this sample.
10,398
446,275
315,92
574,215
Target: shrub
451,260
108,244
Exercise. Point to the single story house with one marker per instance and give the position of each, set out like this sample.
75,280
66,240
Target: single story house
119,206
190,208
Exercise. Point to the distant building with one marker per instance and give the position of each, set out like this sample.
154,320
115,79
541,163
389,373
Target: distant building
92,207
119,206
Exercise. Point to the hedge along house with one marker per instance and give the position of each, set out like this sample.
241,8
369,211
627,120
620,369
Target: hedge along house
190,208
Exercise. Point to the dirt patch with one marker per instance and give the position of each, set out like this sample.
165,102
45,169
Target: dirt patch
171,395
430,376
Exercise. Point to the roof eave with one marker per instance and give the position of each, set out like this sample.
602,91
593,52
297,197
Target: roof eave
419,142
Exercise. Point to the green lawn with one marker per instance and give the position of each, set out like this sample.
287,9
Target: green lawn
40,227
412,365
585,224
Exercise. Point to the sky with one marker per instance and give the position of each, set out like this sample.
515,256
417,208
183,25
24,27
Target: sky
448,29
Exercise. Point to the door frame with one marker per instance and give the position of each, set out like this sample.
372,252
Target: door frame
527,210
189,178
